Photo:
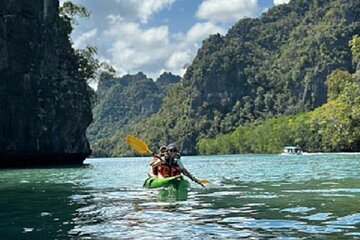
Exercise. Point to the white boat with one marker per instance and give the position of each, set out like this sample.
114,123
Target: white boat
296,150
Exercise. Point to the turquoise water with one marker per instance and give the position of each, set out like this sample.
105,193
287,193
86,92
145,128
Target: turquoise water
249,196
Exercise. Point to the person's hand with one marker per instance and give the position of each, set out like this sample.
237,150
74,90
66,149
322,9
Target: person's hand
198,181
156,163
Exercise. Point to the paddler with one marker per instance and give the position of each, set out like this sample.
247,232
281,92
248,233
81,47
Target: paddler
156,161
171,165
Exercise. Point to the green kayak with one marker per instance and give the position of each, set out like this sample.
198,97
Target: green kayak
170,188
177,182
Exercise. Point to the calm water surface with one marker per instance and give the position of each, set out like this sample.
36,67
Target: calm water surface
249,196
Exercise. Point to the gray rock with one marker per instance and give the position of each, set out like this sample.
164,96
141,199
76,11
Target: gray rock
44,103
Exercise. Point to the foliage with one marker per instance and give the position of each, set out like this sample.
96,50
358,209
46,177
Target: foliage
89,66
266,67
69,11
336,82
122,103
335,126
262,68
355,47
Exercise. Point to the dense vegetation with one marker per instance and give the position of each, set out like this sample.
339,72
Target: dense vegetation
262,68
123,102
89,65
335,126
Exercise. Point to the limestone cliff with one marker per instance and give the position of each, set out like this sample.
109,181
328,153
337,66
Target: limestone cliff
123,102
44,103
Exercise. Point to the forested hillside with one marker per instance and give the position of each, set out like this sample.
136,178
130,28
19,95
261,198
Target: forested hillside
335,126
271,66
123,102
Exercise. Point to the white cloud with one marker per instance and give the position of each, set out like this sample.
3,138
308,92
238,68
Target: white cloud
136,49
114,18
147,8
201,31
229,10
155,36
277,2
83,39
153,50
178,59
144,9
131,33
130,45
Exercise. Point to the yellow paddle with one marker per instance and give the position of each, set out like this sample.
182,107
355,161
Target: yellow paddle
138,145
141,147
203,181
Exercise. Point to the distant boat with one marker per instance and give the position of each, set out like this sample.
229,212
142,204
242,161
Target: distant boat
296,150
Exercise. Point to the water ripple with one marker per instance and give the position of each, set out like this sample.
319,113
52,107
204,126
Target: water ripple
249,196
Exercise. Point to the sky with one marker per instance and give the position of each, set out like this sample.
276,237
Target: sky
153,36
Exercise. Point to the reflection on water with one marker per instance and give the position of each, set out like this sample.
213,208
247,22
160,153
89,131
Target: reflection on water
170,194
249,196
35,210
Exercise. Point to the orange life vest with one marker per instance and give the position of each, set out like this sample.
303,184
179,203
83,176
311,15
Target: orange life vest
152,162
167,171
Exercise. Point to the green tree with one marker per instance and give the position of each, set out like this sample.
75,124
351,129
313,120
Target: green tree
355,47
89,64
270,66
69,11
336,82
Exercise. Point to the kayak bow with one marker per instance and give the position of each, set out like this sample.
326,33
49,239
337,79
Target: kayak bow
176,181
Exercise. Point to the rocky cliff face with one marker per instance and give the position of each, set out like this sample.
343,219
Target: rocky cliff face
276,64
273,65
44,103
123,102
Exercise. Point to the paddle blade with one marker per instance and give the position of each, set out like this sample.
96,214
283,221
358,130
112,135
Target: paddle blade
203,181
138,145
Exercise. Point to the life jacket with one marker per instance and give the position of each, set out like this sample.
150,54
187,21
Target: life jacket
167,170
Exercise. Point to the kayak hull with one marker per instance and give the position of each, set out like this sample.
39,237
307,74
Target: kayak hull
170,189
176,182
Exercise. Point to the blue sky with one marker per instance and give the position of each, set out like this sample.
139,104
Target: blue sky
154,36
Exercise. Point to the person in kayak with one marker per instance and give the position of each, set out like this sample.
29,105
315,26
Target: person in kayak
171,165
156,161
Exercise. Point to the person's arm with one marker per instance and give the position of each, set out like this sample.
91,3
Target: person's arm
155,162
192,178
185,171
151,172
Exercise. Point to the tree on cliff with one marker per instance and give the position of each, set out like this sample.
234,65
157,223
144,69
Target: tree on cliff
69,11
271,66
89,65
334,126
355,47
